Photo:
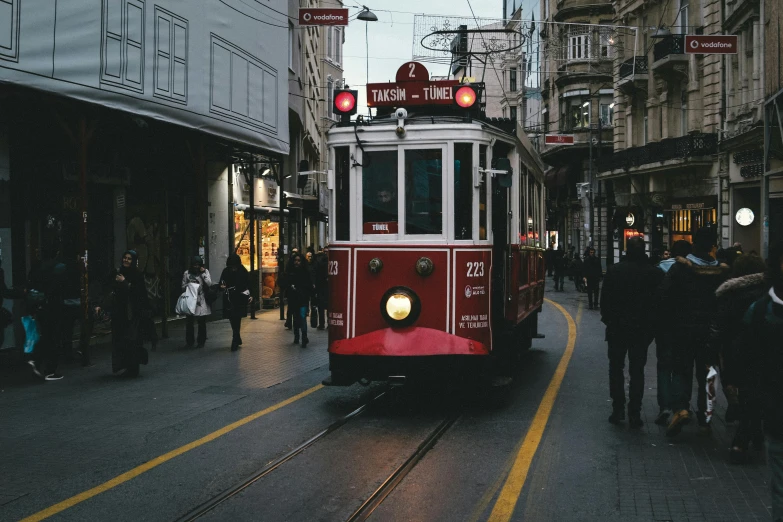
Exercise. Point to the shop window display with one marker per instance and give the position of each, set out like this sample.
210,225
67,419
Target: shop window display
267,244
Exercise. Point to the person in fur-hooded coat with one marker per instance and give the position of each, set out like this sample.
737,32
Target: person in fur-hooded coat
689,304
734,297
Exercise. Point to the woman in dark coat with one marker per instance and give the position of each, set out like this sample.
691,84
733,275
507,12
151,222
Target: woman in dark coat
235,282
734,297
300,289
129,305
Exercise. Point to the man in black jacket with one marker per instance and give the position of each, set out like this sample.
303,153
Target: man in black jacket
628,304
689,303
764,361
592,275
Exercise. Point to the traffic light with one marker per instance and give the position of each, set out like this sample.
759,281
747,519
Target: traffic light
467,97
345,104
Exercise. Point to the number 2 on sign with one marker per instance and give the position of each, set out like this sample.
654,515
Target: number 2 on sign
333,267
412,68
476,269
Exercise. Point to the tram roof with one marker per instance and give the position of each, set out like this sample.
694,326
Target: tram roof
448,127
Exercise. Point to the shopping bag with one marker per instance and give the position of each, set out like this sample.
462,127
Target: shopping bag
711,375
31,335
186,304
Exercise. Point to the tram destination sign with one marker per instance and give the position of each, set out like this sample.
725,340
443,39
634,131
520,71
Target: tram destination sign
559,139
710,44
412,87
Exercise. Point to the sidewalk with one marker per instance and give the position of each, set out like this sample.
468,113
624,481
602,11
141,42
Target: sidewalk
91,421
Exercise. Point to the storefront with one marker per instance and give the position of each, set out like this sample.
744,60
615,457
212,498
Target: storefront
628,223
685,216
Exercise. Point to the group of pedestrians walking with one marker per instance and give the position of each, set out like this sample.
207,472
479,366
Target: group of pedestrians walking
586,273
707,313
305,285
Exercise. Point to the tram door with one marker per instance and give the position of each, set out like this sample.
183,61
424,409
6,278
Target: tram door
500,243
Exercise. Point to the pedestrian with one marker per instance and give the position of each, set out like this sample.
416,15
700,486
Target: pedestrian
734,297
688,294
577,272
46,304
310,259
628,305
763,357
235,283
299,291
560,268
549,258
289,267
322,286
129,303
592,276
663,346
198,274
666,255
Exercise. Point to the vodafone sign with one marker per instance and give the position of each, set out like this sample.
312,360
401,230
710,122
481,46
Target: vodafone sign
712,44
323,16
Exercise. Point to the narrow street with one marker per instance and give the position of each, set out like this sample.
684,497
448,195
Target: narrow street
91,444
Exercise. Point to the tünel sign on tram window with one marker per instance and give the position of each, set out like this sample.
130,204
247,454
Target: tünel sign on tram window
388,227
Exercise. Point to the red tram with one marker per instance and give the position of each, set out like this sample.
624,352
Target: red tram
437,218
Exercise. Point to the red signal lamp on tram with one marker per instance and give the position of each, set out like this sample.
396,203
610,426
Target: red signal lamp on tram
345,103
465,96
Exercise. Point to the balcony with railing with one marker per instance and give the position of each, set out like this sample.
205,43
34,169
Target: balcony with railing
669,55
633,74
687,150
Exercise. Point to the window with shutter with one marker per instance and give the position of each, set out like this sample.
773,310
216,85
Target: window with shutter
122,53
171,56
9,30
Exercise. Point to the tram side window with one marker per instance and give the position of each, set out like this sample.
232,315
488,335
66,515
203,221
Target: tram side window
483,194
424,191
379,192
342,218
463,191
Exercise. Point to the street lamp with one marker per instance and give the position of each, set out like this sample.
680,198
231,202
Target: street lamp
367,16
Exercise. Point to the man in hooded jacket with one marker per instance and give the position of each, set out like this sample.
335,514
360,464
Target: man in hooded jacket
628,304
689,303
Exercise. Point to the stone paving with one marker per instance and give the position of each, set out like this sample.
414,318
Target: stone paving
38,435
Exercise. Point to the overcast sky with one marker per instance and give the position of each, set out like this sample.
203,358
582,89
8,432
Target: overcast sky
391,37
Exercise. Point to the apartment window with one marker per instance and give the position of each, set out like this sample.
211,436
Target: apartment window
579,47
683,21
513,113
606,41
122,53
607,114
512,80
291,42
644,131
577,113
171,56
329,54
338,45
330,98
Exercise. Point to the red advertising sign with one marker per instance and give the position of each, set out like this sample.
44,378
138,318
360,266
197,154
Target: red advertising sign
710,44
323,16
412,87
386,227
559,139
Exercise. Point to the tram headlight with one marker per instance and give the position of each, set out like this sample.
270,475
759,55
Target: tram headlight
400,306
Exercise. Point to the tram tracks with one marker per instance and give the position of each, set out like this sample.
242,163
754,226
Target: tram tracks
372,502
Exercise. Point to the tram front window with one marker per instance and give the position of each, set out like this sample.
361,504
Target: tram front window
424,191
379,192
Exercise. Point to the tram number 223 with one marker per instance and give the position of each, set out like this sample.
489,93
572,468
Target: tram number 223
476,269
333,268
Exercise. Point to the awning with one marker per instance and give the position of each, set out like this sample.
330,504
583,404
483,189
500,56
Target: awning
556,177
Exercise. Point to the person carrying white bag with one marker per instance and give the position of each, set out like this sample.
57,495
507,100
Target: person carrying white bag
195,285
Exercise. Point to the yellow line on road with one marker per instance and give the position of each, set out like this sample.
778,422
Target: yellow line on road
509,495
135,472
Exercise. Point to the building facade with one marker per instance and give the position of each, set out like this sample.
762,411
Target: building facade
577,56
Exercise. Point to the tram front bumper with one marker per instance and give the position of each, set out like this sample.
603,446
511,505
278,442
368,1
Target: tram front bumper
407,342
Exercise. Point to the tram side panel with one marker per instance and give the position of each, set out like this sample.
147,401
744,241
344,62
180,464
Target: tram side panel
472,291
340,291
